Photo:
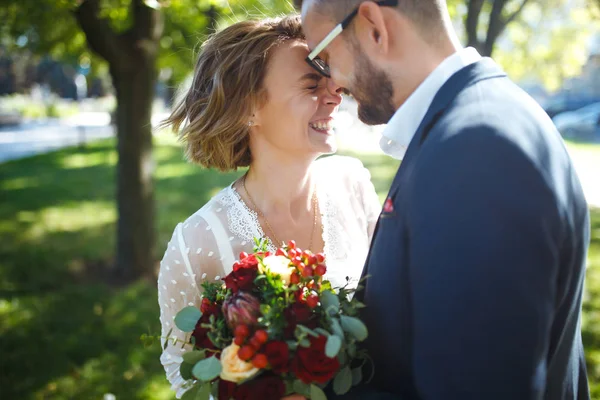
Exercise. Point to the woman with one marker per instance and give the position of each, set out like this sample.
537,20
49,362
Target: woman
255,103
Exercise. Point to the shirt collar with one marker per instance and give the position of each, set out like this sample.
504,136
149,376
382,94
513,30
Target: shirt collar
402,127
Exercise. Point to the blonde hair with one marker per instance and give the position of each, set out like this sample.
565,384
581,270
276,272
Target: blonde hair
212,119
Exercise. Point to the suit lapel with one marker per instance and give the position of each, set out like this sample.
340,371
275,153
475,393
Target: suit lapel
486,68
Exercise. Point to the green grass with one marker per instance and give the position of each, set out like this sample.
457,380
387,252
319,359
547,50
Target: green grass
67,333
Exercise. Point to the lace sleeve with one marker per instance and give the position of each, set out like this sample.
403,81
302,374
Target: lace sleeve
370,200
192,256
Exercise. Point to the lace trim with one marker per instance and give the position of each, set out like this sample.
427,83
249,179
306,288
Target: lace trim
243,221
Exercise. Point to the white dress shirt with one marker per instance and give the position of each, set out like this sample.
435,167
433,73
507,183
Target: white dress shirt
402,127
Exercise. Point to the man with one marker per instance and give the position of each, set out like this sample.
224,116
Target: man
477,267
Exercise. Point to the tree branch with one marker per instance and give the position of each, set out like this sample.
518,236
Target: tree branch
472,22
514,15
100,37
495,26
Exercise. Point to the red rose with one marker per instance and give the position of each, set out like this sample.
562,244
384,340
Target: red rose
226,389
209,308
312,365
278,355
265,387
201,334
250,262
243,275
298,313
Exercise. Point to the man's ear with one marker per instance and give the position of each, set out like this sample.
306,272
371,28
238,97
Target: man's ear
371,30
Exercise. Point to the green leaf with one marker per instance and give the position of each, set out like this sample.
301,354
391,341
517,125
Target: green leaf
337,328
355,327
204,392
300,387
356,376
187,318
304,342
322,331
192,357
207,369
167,339
191,394
333,346
185,370
307,330
316,393
342,381
330,302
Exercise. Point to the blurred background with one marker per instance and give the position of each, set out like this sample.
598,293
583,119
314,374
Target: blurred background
83,83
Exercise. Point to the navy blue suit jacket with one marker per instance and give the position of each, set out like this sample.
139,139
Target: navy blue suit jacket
476,277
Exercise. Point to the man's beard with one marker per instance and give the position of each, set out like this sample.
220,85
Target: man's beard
373,92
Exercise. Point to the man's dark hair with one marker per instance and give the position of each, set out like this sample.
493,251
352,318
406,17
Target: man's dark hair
425,14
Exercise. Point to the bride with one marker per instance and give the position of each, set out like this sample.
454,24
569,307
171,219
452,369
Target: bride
255,103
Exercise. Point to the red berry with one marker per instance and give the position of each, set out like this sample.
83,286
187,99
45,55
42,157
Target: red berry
312,259
291,254
267,254
312,301
241,331
294,278
260,361
306,253
245,353
292,244
320,257
255,343
320,270
297,261
280,252
243,255
236,265
307,271
261,335
239,340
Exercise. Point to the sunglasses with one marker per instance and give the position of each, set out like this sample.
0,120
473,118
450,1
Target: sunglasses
313,58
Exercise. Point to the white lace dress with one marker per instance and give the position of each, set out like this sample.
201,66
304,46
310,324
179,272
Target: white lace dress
205,246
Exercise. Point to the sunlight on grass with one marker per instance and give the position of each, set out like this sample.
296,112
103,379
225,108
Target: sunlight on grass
67,218
57,222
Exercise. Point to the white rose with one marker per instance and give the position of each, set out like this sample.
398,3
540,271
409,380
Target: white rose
233,368
279,265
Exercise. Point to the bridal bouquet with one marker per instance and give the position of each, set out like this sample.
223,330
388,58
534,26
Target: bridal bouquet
273,328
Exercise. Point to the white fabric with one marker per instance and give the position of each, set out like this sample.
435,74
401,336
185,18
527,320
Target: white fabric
203,247
406,120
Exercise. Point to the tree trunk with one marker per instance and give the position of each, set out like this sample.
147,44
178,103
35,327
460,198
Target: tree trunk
132,59
135,186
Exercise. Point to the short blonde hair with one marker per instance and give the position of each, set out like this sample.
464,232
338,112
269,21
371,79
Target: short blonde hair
212,119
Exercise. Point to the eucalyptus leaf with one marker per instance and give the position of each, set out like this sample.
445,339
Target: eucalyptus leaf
342,381
185,370
316,393
322,331
356,376
330,302
192,357
333,346
307,330
337,328
204,392
187,318
355,327
300,387
207,369
191,394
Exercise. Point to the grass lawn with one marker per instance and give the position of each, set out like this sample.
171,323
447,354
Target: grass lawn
67,333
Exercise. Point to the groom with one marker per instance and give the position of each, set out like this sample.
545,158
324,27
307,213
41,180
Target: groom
477,266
